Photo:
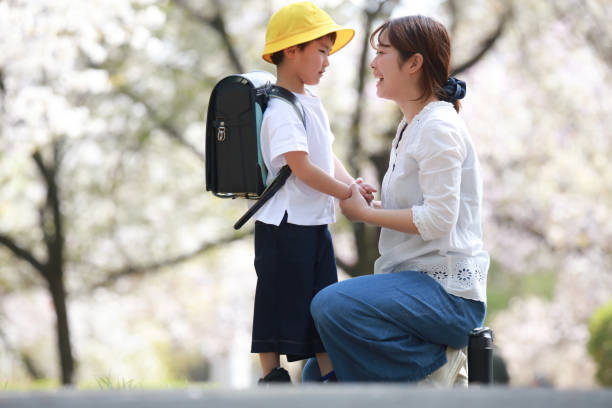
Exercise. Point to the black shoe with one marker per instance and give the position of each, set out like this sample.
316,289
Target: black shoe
277,375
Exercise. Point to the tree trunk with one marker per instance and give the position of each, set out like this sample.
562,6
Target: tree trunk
51,224
58,293
366,236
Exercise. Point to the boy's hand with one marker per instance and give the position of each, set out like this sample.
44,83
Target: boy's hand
367,190
355,206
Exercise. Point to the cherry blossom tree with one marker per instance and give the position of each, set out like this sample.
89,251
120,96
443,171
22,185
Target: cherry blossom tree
101,175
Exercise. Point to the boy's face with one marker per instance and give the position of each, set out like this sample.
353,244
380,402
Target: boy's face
311,62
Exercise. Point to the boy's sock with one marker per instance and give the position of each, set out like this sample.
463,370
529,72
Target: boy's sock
277,375
329,377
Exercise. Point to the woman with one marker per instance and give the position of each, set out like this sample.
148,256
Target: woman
410,320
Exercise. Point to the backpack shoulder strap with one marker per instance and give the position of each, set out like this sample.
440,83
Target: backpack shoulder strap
265,92
275,91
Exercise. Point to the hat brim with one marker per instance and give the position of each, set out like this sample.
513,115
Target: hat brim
343,37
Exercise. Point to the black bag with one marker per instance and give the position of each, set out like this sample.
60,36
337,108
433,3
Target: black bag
234,164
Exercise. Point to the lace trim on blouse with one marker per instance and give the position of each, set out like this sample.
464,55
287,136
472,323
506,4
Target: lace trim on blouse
464,274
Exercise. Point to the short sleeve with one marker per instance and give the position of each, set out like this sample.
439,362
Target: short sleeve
282,131
439,153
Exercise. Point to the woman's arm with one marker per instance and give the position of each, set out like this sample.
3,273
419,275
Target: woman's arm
367,190
439,157
316,178
356,208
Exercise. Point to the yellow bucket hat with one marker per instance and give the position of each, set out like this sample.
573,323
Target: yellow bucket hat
301,22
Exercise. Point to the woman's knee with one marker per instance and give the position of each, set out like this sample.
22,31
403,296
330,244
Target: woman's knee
324,302
311,371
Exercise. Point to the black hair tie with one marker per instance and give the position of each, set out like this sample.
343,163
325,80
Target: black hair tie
455,89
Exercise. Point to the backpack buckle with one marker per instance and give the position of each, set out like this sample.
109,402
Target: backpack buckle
221,132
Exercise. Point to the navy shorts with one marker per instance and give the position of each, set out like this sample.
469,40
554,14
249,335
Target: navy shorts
293,263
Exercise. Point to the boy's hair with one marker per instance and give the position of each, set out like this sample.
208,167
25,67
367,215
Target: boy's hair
278,56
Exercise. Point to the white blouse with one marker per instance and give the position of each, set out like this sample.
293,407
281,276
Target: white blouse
434,169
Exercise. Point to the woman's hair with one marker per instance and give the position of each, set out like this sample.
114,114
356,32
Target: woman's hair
423,35
278,56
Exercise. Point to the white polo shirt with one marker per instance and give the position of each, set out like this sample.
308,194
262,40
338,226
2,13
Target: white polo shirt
282,131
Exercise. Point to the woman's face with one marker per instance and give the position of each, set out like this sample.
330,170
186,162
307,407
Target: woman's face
393,81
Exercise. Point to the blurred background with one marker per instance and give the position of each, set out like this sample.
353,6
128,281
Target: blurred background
117,269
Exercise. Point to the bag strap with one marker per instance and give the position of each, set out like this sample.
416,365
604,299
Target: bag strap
274,91
278,182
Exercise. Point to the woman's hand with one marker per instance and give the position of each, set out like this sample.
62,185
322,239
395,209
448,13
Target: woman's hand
366,189
354,207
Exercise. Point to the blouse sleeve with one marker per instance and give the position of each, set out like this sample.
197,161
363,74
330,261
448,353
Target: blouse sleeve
440,154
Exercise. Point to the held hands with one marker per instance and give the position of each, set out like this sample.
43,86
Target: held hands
366,189
354,207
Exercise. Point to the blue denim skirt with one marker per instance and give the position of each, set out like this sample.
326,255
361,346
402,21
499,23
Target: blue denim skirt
390,327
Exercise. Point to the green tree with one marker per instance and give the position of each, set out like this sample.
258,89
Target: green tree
600,344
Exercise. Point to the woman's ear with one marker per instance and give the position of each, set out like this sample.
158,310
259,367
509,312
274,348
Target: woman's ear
414,63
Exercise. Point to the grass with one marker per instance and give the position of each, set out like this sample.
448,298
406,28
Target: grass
108,383
37,385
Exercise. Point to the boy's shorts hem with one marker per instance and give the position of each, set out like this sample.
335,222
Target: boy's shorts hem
294,351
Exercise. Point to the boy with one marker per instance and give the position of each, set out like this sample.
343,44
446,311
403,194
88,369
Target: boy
294,257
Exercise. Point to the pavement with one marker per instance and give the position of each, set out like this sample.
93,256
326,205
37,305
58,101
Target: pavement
314,396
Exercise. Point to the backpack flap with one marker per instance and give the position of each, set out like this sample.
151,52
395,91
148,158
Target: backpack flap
232,168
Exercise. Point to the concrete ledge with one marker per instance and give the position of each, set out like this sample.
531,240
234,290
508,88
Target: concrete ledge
313,396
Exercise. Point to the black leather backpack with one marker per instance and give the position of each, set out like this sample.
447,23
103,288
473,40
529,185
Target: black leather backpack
234,164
